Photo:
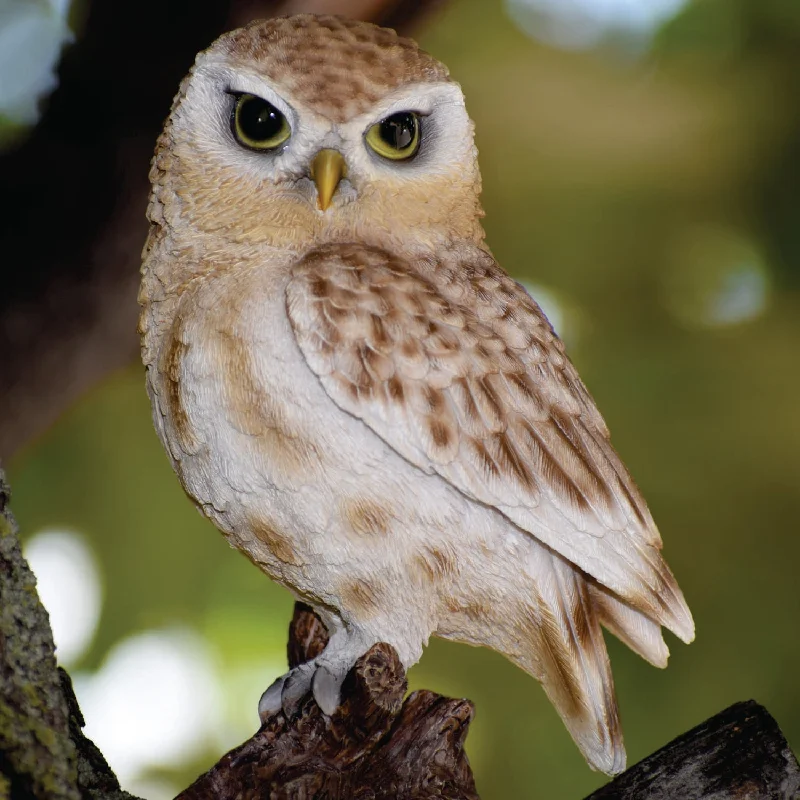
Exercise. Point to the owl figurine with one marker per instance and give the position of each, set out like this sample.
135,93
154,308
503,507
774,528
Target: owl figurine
360,398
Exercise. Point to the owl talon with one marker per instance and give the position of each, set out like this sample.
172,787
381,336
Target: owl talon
296,687
288,692
326,686
270,703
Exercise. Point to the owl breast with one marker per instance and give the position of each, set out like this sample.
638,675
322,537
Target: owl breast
308,493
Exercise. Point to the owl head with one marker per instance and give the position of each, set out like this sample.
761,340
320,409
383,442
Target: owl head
309,128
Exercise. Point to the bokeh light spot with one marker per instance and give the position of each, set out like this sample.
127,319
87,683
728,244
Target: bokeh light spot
742,295
153,703
69,586
558,314
31,38
579,24
717,278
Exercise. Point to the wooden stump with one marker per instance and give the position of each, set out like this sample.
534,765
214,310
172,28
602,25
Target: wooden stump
376,745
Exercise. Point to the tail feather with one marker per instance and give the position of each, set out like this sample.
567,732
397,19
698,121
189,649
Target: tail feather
664,603
631,627
567,654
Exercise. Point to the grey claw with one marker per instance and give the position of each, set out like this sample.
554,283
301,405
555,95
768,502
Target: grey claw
296,686
326,686
270,703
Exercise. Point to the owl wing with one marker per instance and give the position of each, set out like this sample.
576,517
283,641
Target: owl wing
453,364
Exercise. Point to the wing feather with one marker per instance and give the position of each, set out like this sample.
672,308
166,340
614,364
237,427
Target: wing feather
456,367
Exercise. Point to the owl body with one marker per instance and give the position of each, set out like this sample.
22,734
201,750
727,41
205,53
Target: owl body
257,445
359,397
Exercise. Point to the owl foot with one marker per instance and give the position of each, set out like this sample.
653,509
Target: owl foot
322,677
288,692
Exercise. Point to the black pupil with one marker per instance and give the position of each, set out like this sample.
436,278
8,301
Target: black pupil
398,131
259,120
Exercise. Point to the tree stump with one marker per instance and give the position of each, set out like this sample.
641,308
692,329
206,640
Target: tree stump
375,746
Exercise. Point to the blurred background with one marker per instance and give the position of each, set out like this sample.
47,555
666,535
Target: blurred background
641,166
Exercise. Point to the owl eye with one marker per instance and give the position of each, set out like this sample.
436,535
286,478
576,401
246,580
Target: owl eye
396,137
257,124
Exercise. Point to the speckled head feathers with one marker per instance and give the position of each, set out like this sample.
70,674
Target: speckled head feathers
337,66
333,80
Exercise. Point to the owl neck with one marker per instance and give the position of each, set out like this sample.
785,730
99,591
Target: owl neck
412,222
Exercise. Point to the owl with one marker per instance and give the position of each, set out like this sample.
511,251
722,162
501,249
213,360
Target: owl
360,398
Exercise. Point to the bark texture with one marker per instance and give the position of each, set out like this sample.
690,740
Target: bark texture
739,754
375,746
43,753
37,757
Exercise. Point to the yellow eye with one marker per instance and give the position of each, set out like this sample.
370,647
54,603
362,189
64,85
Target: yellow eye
257,124
396,137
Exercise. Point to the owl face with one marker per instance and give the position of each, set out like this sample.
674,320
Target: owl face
332,130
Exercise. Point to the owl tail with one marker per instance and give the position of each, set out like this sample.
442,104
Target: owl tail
566,652
630,626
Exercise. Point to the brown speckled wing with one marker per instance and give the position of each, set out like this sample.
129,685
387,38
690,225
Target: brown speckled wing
452,363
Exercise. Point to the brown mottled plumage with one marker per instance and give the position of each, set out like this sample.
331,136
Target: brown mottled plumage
456,367
362,400
339,67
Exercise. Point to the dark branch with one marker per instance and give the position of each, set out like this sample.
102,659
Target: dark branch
374,746
96,780
740,752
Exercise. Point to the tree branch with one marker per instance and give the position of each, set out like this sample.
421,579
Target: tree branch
739,753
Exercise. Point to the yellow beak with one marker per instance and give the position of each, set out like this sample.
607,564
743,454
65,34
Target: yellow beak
327,169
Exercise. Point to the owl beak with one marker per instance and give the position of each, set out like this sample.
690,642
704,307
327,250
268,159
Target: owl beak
327,169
